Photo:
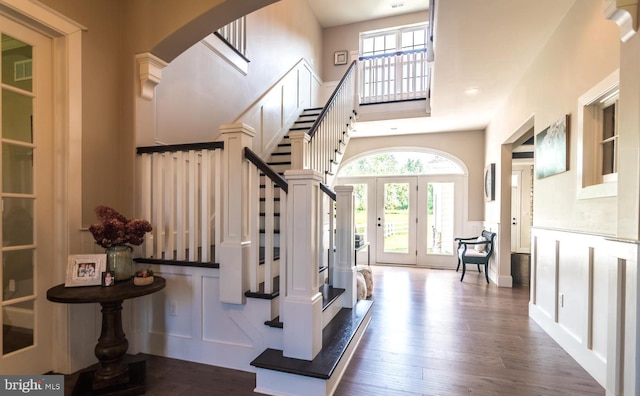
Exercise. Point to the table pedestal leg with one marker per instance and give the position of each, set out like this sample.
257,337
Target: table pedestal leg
111,348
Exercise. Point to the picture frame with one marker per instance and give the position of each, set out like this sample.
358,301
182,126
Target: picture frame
552,149
340,58
108,278
489,182
85,269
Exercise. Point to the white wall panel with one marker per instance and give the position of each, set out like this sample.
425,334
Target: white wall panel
598,324
217,325
546,276
172,308
600,292
573,284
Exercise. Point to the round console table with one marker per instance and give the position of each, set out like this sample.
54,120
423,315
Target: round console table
112,345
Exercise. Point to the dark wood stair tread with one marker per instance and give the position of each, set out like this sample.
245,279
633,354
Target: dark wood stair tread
336,337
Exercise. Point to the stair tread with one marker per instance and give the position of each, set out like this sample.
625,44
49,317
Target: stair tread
266,296
336,337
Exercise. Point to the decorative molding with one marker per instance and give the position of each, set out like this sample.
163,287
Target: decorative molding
215,44
625,14
150,68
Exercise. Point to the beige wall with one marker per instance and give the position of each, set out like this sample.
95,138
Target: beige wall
102,91
465,146
347,37
199,91
116,30
584,49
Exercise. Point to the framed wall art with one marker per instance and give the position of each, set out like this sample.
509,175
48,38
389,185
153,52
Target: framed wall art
85,269
489,182
340,58
552,149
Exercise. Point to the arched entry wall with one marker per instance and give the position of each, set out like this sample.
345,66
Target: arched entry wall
432,247
466,147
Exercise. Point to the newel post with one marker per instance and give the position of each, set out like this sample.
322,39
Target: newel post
303,302
236,242
299,150
344,272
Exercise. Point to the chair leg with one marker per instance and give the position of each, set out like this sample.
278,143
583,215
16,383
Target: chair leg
479,268
464,268
486,271
458,267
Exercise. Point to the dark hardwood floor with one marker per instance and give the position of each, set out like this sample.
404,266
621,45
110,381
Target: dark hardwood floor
430,334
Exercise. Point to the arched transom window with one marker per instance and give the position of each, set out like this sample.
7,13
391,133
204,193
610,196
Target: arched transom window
401,163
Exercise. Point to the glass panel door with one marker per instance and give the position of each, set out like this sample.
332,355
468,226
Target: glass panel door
439,217
396,220
26,198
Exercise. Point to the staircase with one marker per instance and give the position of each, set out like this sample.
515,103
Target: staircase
266,295
279,162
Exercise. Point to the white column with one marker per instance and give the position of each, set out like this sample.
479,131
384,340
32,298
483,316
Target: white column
302,302
344,272
236,242
299,150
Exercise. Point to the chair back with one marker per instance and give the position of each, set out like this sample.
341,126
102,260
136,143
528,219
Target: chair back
490,236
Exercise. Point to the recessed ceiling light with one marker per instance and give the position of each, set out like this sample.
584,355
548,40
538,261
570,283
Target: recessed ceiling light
472,91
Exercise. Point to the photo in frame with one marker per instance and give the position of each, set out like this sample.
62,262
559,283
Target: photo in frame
552,149
85,269
340,58
489,182
108,278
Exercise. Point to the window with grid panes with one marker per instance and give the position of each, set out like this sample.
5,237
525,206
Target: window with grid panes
392,41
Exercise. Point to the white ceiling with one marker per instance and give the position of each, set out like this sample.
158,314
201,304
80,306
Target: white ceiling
342,12
483,44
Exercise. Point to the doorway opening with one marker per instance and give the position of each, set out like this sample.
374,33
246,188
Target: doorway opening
522,163
408,205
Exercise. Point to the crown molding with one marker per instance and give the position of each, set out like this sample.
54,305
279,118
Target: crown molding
150,69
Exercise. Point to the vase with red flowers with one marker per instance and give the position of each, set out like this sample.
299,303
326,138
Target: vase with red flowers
116,233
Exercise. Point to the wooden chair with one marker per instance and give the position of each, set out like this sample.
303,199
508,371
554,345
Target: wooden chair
476,250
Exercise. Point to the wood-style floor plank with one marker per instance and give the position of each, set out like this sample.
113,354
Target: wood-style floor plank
430,334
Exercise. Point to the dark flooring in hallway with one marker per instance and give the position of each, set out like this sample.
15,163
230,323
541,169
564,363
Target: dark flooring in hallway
430,334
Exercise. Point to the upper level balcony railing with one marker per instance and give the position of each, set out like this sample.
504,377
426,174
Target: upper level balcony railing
234,34
394,77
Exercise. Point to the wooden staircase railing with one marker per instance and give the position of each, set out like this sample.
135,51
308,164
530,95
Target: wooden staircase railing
268,256
330,132
180,195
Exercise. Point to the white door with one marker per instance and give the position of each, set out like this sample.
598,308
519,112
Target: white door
516,177
439,214
521,180
396,220
26,174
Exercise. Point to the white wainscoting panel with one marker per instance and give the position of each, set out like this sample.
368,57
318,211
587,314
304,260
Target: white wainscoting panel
187,321
585,295
273,113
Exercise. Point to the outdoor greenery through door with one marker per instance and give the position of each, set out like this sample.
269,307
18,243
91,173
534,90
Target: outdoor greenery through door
407,205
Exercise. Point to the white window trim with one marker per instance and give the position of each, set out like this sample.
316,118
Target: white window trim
587,168
398,30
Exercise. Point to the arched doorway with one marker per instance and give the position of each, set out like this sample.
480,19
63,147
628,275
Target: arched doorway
409,205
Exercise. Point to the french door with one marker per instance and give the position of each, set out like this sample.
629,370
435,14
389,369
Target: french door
396,219
26,173
417,219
